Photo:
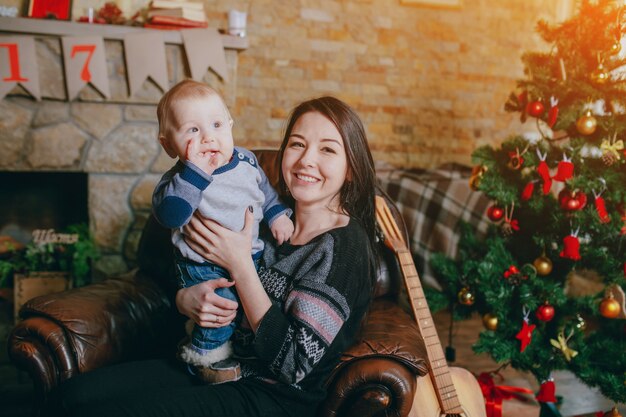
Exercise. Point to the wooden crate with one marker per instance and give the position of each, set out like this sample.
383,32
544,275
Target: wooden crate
26,287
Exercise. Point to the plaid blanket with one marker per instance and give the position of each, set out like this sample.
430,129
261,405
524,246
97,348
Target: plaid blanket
433,203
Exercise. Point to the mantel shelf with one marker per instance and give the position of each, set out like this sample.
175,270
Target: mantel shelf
66,28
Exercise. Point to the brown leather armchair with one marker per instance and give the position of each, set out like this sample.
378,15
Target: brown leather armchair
132,317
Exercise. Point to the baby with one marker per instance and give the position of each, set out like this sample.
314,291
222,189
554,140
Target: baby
220,181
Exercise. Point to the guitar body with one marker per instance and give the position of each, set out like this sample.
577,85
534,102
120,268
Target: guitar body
468,391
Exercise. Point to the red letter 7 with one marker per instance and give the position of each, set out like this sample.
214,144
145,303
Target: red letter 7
85,75
14,59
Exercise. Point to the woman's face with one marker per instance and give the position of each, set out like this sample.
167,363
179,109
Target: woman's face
314,163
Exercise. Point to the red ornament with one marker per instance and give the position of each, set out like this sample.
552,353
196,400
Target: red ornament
601,209
572,200
535,108
564,170
525,335
571,247
495,213
545,312
546,392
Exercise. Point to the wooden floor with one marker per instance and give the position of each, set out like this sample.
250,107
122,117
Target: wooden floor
16,389
577,399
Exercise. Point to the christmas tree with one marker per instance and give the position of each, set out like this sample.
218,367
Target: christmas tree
549,278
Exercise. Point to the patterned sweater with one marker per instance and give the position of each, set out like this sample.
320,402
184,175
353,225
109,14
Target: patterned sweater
320,292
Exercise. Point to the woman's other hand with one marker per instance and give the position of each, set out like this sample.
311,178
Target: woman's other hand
232,251
207,309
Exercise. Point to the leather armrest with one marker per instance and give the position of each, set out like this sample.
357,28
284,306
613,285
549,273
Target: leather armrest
86,328
377,376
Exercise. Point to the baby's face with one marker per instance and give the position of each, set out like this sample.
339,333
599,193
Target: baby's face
204,120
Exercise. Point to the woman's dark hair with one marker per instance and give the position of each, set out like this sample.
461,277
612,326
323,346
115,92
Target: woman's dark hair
356,196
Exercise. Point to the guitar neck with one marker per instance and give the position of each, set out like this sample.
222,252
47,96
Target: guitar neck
439,372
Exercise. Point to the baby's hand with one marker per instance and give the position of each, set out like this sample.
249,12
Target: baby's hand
199,158
282,229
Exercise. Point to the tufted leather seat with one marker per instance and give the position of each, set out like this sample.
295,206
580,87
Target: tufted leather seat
131,317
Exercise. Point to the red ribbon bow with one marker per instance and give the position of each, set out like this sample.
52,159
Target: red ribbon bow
495,394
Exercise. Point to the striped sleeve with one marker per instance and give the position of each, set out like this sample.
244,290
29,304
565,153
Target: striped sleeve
178,194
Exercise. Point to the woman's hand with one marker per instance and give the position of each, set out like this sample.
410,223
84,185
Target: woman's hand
232,251
207,309
228,249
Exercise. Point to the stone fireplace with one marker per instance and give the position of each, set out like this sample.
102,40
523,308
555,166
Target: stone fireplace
111,142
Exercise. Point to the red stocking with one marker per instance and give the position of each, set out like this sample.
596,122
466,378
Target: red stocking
554,112
564,170
528,191
571,247
544,172
601,209
546,392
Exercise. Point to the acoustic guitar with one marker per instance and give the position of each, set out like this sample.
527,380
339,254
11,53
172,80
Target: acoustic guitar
448,391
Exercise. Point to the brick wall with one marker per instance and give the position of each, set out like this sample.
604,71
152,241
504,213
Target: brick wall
429,83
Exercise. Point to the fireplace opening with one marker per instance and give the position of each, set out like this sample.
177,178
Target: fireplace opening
31,201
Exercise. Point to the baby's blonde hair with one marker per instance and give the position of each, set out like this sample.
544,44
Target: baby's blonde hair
186,89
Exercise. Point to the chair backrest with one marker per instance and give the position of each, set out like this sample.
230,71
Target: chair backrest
155,253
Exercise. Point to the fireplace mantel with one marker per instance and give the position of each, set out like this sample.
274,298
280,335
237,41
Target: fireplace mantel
20,25
49,33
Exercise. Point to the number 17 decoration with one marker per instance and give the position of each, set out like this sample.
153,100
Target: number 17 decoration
85,63
18,65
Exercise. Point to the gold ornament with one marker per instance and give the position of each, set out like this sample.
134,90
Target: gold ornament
618,294
477,175
561,344
587,124
609,307
599,75
543,265
490,321
614,412
466,297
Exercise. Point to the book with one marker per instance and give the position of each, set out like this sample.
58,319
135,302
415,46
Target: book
189,14
161,27
174,4
176,21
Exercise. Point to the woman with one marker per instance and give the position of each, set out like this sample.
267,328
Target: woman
304,306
